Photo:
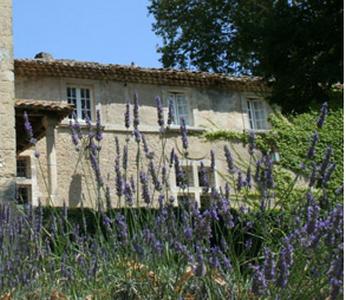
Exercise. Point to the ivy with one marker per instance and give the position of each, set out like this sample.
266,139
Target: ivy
291,137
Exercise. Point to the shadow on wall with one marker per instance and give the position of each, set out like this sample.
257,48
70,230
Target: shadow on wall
75,190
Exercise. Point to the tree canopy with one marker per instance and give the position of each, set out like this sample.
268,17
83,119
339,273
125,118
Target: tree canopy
297,46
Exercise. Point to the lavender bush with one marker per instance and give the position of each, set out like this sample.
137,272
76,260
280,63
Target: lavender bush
161,251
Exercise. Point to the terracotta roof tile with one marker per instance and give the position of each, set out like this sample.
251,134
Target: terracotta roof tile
46,105
160,76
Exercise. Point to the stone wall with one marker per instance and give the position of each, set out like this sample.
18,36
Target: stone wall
211,108
7,117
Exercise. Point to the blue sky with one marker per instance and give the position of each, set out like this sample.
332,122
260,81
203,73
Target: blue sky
106,31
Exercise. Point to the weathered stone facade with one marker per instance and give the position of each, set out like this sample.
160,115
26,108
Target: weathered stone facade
7,116
211,108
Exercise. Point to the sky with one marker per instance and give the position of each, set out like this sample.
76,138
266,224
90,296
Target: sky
105,31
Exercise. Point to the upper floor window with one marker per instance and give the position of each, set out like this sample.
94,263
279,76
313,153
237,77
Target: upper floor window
81,99
181,108
257,114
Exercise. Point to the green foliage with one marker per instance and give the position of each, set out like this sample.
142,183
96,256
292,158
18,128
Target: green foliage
291,137
296,45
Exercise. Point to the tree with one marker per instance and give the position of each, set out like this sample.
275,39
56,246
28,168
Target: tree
297,46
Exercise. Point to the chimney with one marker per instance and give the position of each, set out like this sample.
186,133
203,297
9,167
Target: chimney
7,113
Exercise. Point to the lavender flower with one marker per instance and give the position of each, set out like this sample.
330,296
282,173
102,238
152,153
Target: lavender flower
170,118
125,157
259,284
145,188
119,183
183,132
171,159
200,269
229,160
137,135
239,181
323,114
328,173
312,148
128,194
96,167
326,160
98,135
212,160
154,177
135,111
248,177
269,265
160,119
127,115
117,146
28,129
121,227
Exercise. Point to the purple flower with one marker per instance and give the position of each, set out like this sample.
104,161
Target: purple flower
269,265
127,115
171,159
125,157
121,226
327,174
117,146
135,111
96,167
160,119
259,284
145,189
128,194
154,177
212,160
323,114
200,269
326,160
119,183
239,181
28,129
229,159
248,177
183,132
137,135
98,135
312,148
214,260
170,118
282,272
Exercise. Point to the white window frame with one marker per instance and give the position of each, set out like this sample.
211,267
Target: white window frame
196,190
78,106
251,110
188,114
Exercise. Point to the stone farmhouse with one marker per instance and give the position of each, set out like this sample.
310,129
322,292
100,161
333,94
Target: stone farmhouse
49,90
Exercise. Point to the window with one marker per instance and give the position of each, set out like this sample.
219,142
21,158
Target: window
181,108
23,167
257,114
81,99
196,184
23,194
